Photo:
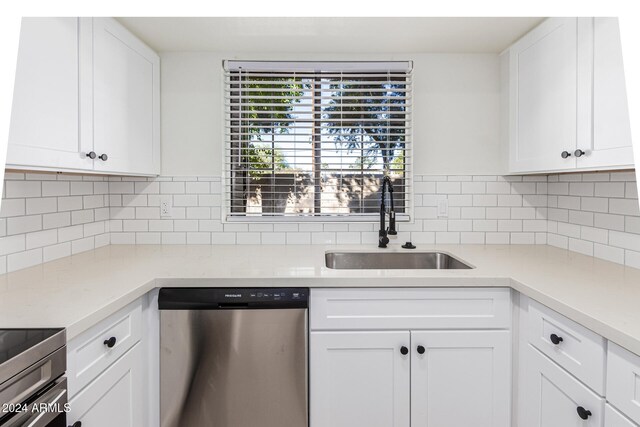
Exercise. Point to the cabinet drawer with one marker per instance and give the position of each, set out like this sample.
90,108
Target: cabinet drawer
550,396
434,308
613,418
581,351
623,381
88,355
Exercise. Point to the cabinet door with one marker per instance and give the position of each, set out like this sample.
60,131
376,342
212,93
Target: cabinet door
126,91
359,379
46,96
611,142
115,398
550,397
543,90
460,379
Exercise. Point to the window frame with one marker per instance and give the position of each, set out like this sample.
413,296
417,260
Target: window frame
356,218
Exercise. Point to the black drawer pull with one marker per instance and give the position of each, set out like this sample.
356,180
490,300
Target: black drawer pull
555,339
583,413
110,342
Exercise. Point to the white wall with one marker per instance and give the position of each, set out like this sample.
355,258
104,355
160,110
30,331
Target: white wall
456,112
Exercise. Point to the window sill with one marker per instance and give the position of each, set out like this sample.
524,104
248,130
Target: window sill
374,219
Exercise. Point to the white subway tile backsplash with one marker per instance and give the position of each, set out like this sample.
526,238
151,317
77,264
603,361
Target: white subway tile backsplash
55,188
632,258
594,204
448,188
576,211
56,220
19,189
198,238
54,252
39,239
281,238
609,189
174,238
149,238
197,188
185,225
24,224
12,207
12,244
20,260
523,238
624,207
82,245
172,187
81,217
121,187
68,234
81,188
472,238
581,246
608,253
447,238
624,240
298,238
497,238
69,203
581,189
146,187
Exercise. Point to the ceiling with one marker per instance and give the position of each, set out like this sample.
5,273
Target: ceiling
330,35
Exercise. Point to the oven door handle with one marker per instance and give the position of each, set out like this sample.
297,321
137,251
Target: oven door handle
55,400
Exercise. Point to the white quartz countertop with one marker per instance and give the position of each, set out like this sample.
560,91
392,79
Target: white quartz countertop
78,291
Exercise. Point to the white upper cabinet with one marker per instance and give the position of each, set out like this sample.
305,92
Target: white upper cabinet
542,93
567,98
126,84
44,118
611,143
86,99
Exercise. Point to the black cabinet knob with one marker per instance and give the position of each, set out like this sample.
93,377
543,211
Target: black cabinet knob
76,424
420,349
555,339
578,153
103,157
91,155
565,154
110,342
583,413
404,350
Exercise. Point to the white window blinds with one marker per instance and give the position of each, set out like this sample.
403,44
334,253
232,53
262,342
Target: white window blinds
315,139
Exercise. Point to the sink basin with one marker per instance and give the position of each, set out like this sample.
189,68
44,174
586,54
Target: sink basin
393,260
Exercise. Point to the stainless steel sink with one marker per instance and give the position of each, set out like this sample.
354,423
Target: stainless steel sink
393,260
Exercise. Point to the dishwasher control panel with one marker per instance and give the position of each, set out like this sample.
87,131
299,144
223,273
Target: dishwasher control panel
232,298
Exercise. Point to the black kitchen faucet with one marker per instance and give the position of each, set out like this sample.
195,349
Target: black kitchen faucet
383,240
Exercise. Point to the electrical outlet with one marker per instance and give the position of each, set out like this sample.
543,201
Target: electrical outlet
443,208
165,206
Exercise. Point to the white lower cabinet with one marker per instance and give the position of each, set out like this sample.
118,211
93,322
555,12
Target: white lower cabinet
114,398
359,379
460,378
393,360
551,397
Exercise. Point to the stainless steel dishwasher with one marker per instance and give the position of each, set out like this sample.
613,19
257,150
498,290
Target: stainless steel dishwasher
233,357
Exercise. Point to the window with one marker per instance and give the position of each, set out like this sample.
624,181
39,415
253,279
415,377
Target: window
315,139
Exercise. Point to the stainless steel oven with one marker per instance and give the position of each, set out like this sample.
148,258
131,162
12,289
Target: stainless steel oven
33,388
